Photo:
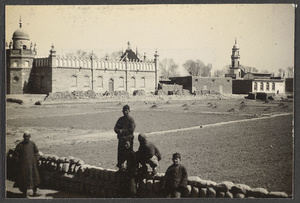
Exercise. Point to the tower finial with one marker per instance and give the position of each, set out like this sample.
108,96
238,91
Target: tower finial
235,40
20,23
128,48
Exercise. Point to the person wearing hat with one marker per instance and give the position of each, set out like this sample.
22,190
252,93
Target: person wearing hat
174,183
27,155
124,128
147,153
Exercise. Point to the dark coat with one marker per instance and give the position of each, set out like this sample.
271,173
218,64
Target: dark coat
127,125
27,163
175,177
147,150
131,162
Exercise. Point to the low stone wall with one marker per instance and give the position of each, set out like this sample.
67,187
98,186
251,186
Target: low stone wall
71,174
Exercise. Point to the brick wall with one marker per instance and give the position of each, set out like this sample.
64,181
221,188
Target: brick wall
213,84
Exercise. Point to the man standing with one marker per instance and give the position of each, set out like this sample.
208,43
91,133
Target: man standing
27,153
124,128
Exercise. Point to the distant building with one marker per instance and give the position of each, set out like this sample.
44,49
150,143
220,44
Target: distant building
197,84
27,73
235,71
245,83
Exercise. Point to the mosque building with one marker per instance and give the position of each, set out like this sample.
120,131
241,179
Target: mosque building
252,82
28,73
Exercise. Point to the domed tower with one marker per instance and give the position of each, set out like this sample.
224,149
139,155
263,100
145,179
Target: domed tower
20,55
235,62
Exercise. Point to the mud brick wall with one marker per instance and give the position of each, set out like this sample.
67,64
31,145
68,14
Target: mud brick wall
71,174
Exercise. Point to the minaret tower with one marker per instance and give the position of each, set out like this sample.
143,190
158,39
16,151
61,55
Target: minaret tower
235,70
20,55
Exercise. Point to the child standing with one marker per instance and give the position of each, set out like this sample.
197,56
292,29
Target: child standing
175,181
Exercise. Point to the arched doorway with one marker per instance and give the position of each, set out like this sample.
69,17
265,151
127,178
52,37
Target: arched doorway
111,85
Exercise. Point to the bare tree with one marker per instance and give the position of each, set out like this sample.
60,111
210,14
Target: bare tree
280,70
168,68
290,72
197,68
222,72
80,54
248,69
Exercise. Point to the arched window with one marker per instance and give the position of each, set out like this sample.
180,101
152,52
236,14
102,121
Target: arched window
86,81
273,86
255,85
15,64
133,82
121,79
261,86
143,82
268,86
100,81
74,81
26,64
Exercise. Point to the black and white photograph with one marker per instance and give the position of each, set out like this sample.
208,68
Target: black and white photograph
149,101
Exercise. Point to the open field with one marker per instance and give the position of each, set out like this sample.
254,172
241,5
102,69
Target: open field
256,149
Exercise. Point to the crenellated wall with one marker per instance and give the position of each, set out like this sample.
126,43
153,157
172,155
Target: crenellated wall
71,174
132,65
41,62
73,74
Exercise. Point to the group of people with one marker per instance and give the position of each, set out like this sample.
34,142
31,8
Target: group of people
132,164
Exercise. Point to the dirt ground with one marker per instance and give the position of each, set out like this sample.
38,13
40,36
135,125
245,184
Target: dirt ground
243,141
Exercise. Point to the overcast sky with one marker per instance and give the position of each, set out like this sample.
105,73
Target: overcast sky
264,33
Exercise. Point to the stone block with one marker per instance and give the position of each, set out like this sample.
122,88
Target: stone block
240,195
203,192
277,195
211,193
156,185
159,176
220,194
101,175
189,190
142,184
112,176
210,183
258,192
149,185
224,186
195,192
65,167
108,174
240,188
228,195
193,180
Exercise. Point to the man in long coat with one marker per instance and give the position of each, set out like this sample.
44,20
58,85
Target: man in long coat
124,128
26,154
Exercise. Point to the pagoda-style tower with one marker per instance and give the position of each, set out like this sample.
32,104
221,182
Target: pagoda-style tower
20,55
